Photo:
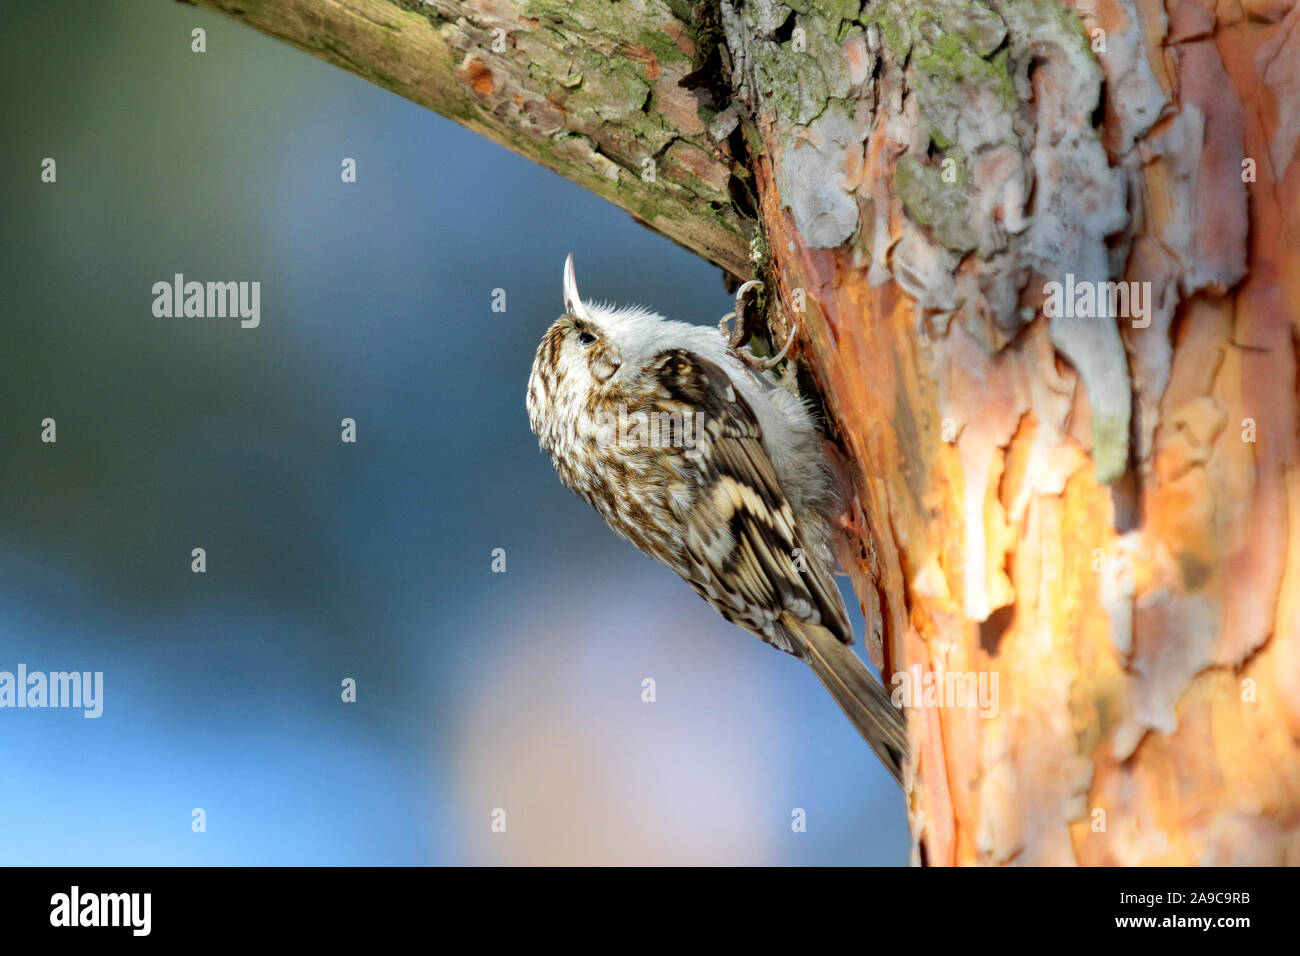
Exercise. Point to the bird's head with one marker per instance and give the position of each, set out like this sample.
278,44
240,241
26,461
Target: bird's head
587,355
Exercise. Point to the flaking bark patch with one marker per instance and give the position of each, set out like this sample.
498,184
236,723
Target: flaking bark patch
988,127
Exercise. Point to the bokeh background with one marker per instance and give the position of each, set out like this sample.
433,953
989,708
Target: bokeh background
476,690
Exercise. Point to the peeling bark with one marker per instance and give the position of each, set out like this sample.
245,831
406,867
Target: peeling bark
1103,512
1079,505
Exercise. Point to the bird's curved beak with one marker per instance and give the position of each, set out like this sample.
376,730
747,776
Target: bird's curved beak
572,301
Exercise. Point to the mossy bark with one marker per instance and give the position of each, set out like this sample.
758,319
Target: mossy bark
601,93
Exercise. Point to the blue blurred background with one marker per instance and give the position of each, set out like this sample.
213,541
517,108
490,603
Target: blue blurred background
475,690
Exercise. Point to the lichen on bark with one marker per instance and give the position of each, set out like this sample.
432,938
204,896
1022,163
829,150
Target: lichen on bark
1005,187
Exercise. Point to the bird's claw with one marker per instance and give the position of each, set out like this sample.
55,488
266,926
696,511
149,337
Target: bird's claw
734,336
768,363
740,300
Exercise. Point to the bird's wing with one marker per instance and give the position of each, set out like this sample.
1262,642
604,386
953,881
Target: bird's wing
742,544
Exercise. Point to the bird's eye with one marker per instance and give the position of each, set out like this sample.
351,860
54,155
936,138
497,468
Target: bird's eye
586,338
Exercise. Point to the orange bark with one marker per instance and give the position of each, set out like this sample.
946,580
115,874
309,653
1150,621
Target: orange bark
1145,633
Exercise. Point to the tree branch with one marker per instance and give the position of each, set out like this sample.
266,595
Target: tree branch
592,91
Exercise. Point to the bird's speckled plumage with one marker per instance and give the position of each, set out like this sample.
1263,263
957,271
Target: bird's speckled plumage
725,482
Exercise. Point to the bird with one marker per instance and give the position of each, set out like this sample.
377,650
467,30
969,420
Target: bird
690,448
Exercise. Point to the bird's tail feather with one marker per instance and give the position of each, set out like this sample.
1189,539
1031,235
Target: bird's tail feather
862,698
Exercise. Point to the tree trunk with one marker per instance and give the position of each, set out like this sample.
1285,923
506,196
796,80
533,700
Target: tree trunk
1082,494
